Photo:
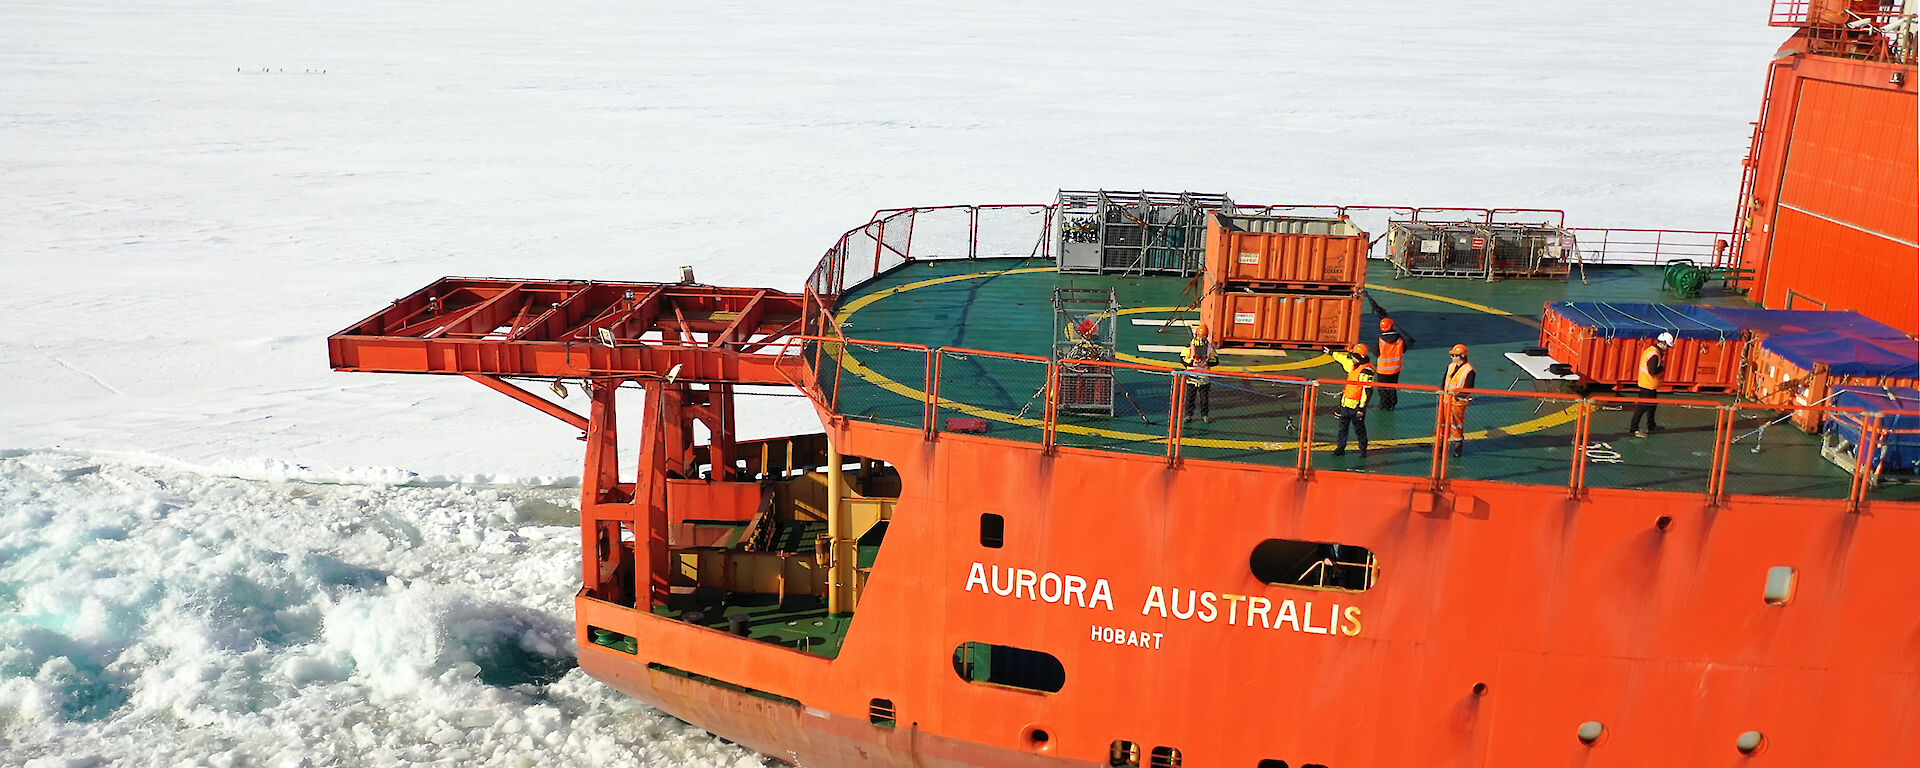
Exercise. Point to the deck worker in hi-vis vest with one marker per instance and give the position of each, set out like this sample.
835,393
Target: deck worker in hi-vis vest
1386,370
1199,358
1453,401
1353,396
1650,374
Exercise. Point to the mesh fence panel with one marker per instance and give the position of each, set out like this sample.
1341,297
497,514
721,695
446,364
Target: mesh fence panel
1519,439
826,362
825,279
1012,231
1677,457
858,247
997,396
1116,409
1770,456
1400,441
940,233
883,385
1247,420
895,233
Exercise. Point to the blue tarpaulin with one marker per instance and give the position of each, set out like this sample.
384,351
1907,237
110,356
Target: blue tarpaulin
1774,322
1846,354
1618,320
1902,451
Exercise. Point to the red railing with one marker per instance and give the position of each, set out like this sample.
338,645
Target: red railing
1648,247
1832,13
1715,477
896,236
1880,30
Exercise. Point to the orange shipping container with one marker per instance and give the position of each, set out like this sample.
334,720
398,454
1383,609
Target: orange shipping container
1306,253
1282,319
1779,372
1603,343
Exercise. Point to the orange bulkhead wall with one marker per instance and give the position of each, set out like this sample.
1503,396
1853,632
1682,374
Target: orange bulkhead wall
1837,220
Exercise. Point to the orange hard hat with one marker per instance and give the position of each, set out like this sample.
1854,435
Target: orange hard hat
1360,349
1200,330
1386,323
1458,349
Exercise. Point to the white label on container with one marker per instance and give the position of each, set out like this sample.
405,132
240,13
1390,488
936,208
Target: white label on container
1243,318
1429,246
1553,251
1249,258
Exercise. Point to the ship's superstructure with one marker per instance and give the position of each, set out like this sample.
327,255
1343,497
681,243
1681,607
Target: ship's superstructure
1028,535
1827,215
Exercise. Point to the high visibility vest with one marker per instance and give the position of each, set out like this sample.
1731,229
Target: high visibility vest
1391,352
1457,376
1354,395
1198,354
1649,379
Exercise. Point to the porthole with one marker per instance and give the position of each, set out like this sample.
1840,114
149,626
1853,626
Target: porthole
1781,581
1322,565
880,712
1591,732
1750,743
1005,665
993,531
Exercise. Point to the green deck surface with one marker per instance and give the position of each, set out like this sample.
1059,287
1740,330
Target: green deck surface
1004,305
801,622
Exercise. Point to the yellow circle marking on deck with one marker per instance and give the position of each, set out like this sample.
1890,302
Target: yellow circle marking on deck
1526,321
862,302
851,363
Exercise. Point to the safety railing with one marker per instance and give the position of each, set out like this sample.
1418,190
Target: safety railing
1789,13
899,236
1834,13
1877,31
896,236
1715,448
1655,247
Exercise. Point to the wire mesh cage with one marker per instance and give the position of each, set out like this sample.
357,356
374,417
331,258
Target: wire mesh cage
1439,249
1532,251
1480,250
1085,332
1139,233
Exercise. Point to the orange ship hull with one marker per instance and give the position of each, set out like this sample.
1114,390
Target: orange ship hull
1504,616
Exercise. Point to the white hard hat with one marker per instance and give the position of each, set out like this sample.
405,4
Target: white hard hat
1665,338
